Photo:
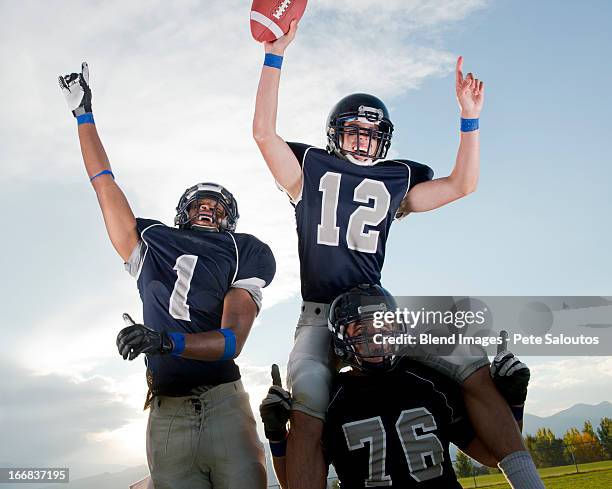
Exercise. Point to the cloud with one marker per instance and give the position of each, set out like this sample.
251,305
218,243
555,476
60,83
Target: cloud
52,418
76,338
559,384
48,418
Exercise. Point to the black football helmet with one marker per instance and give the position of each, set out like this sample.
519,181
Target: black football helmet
365,108
215,191
352,323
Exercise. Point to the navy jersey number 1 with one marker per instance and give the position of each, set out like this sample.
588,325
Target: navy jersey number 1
185,266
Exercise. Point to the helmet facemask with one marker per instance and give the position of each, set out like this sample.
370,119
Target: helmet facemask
368,123
361,338
370,346
185,217
214,215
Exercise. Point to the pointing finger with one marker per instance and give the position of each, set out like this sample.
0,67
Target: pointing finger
128,320
276,378
85,71
503,334
458,68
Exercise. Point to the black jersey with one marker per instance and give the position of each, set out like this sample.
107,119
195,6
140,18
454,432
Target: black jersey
183,276
343,218
393,429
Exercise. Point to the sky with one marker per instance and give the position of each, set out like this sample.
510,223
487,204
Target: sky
173,95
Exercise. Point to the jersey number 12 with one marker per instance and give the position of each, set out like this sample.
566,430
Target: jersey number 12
328,233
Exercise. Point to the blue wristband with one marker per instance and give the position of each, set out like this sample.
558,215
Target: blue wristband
517,412
468,125
278,448
179,343
230,344
86,118
273,60
103,172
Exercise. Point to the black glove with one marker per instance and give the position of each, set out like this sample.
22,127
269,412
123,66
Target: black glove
275,409
511,377
138,338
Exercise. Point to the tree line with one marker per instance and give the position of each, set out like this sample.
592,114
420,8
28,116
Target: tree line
575,447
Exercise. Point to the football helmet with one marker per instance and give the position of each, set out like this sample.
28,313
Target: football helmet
353,322
205,190
364,108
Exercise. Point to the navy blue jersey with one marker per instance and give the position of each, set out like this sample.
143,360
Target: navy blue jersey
343,218
394,429
183,277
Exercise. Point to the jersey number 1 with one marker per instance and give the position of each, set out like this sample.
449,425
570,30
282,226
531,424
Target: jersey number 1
328,233
185,266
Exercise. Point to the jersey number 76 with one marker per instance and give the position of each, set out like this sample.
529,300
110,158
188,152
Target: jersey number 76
416,446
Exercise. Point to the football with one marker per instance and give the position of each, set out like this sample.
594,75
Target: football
270,19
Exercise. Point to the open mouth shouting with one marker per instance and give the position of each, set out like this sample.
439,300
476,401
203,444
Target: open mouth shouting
206,213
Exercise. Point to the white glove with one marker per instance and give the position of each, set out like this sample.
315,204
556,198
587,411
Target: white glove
75,87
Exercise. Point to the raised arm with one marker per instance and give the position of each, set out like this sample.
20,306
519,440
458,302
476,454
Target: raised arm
463,179
118,217
278,156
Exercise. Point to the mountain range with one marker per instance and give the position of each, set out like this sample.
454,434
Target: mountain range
574,416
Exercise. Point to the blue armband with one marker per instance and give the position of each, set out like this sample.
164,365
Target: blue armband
86,118
517,412
468,125
278,448
103,172
179,343
273,60
229,352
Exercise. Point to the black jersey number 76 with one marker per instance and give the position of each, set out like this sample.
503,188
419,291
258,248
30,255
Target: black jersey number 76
417,447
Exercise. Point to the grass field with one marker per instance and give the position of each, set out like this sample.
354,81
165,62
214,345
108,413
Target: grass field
597,475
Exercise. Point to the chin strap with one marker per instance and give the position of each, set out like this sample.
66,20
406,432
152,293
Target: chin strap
355,161
378,367
204,228
350,158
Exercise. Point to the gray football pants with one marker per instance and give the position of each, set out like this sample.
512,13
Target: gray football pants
205,442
